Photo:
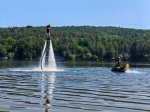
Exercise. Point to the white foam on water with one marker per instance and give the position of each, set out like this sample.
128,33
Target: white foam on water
134,72
35,70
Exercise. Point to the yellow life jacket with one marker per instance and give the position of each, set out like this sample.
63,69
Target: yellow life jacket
127,66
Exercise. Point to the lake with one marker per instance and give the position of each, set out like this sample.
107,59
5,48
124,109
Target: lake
73,88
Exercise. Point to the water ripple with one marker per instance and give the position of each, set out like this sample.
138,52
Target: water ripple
74,90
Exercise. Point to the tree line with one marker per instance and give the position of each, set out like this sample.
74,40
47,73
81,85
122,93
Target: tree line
87,43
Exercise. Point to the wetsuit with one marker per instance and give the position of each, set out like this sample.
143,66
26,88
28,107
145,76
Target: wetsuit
118,64
48,31
48,28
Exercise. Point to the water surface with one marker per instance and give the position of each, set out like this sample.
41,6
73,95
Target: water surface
76,89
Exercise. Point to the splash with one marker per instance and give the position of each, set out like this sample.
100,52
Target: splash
47,60
34,69
134,72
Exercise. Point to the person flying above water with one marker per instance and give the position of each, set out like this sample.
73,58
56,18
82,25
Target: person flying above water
48,31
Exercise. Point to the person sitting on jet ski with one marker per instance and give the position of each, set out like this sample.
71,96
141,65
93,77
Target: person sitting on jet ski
118,64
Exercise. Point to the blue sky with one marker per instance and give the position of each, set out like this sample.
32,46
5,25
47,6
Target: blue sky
122,13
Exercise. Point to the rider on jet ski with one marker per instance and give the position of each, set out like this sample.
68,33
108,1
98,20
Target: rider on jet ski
118,64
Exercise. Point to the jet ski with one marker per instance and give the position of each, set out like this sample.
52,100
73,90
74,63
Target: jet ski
120,69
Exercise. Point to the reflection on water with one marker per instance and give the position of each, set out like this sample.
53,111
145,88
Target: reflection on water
26,91
92,89
47,87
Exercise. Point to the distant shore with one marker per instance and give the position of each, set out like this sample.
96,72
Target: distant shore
78,43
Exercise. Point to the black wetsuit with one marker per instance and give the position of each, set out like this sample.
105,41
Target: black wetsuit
118,63
48,29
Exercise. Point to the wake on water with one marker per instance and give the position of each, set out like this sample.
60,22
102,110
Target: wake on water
35,69
134,72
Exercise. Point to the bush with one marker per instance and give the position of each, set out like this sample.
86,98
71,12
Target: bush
147,57
88,56
72,57
10,55
95,58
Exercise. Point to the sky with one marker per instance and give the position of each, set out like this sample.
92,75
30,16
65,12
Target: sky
120,13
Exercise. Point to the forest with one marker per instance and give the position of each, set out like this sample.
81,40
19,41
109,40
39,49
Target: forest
78,43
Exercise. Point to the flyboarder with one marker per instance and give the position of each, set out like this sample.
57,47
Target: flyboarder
48,31
48,27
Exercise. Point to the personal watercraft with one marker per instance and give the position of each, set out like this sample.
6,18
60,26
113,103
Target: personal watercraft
120,69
